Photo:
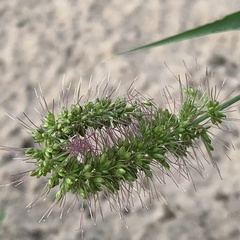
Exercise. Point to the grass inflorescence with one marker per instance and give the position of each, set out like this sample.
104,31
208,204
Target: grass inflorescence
118,147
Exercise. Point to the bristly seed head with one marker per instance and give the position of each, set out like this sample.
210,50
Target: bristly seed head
110,146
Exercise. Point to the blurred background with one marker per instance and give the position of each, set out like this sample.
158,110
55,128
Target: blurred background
42,42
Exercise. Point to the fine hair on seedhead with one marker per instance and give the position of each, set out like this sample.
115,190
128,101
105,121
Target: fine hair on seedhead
117,156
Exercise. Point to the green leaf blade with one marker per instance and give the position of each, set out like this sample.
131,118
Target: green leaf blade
228,23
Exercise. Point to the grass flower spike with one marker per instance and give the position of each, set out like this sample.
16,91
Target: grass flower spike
115,148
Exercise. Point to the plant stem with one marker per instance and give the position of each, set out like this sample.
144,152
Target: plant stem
222,106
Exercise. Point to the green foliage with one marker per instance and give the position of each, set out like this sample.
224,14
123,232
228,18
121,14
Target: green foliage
228,23
2,214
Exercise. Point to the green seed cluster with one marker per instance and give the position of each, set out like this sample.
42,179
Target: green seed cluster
131,135
54,134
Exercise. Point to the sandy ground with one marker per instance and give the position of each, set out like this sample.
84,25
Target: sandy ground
42,41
